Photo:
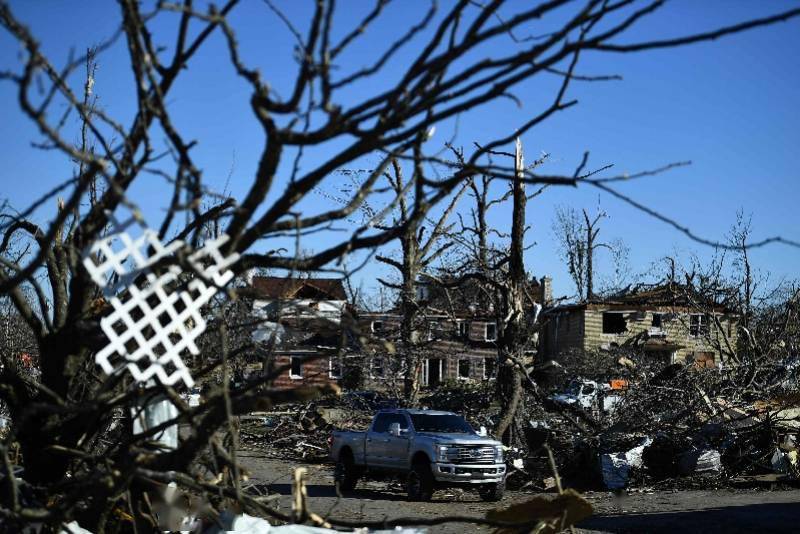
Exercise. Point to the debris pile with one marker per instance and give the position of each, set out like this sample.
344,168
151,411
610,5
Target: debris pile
694,425
682,427
301,431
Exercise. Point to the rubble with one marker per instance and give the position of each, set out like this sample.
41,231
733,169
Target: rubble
677,428
702,430
785,463
300,432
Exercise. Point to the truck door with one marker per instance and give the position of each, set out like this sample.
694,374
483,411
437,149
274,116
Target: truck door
397,446
376,440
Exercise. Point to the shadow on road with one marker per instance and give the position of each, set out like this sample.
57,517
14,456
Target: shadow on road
768,517
328,490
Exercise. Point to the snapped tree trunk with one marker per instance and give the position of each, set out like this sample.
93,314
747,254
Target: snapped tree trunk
511,340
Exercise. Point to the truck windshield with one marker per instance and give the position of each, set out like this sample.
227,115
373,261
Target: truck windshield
448,424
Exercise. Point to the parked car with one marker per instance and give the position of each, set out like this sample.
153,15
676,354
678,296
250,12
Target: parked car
431,449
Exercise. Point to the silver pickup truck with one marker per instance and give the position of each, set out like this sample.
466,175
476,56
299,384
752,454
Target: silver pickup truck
430,448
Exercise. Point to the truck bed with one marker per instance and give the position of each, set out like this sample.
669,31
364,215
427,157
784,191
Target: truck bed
354,440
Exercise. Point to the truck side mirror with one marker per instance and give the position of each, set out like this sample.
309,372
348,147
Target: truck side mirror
394,429
482,431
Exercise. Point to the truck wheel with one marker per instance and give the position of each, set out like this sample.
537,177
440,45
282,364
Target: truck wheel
492,492
345,474
420,483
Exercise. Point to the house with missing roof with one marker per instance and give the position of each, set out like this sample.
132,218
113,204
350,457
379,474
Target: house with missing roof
304,324
668,323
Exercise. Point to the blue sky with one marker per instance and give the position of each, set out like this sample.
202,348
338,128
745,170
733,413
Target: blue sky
731,107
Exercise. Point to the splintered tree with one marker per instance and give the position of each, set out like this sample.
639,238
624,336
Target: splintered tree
70,423
496,269
512,332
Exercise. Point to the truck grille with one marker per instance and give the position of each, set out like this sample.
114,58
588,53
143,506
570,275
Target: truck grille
474,455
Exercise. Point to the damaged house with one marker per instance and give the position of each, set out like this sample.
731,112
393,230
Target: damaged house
304,325
669,323
457,335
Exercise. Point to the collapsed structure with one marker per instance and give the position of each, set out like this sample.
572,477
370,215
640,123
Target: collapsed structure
305,323
668,323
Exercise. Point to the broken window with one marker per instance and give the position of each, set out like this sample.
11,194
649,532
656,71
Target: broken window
297,367
490,334
698,324
377,326
432,330
423,292
658,320
398,367
463,368
614,323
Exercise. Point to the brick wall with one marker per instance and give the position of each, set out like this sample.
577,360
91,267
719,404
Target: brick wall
315,373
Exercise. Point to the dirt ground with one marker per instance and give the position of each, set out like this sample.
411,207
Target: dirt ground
714,511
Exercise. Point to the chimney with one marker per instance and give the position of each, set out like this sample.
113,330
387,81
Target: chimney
547,290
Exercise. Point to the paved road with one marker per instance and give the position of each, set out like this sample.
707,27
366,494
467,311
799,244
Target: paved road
681,512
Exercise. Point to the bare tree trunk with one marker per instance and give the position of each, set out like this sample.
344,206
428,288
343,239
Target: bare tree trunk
410,311
590,234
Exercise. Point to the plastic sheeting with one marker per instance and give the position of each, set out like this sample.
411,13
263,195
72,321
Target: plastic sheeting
616,467
700,462
153,413
247,524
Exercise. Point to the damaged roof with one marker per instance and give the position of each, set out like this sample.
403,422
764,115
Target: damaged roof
274,287
670,294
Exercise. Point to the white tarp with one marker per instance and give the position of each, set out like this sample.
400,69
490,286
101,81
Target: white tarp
616,466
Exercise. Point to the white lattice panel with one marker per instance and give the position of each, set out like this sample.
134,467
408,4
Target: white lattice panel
155,318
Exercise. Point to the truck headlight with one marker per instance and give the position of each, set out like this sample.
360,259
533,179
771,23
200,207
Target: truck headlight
498,453
442,453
